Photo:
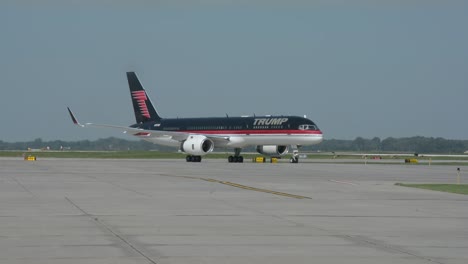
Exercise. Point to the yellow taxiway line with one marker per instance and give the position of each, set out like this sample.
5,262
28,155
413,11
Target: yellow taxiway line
245,187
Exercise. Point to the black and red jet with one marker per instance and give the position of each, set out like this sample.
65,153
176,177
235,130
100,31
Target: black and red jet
272,135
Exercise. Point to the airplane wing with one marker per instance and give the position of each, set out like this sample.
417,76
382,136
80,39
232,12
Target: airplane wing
179,136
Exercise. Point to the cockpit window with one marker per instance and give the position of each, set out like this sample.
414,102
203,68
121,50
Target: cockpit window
308,127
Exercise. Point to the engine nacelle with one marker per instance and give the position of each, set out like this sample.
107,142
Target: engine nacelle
197,145
272,150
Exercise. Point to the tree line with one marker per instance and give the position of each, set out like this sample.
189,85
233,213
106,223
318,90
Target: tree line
406,145
103,144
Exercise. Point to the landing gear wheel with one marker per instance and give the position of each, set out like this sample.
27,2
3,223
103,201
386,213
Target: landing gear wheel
294,160
191,158
235,159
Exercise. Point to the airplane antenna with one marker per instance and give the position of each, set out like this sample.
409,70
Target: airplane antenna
227,115
305,116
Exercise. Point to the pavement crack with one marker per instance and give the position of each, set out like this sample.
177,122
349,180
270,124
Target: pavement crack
119,186
382,245
110,230
23,187
128,189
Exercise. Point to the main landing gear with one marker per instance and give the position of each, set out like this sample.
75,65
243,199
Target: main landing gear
191,158
237,158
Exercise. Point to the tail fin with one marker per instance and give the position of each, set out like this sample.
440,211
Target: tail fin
142,105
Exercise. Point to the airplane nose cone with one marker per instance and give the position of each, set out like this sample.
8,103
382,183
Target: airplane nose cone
320,136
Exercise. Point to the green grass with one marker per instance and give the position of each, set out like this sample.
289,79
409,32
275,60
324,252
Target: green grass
94,154
142,154
451,188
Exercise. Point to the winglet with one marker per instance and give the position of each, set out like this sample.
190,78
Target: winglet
75,121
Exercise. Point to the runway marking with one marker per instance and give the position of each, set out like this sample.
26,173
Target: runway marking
263,190
245,187
345,182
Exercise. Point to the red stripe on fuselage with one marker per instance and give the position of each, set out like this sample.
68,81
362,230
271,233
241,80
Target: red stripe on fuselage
142,134
255,131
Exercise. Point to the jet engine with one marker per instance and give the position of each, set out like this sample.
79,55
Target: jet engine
197,145
272,150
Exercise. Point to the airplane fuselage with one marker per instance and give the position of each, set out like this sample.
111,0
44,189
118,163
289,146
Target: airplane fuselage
242,131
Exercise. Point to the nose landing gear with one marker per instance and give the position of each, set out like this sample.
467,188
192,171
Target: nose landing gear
294,160
295,156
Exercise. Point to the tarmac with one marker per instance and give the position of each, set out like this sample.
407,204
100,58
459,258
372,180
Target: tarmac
77,211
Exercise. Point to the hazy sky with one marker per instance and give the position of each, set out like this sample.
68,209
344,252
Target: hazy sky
366,68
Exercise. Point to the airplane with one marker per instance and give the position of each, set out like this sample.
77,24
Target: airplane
272,135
